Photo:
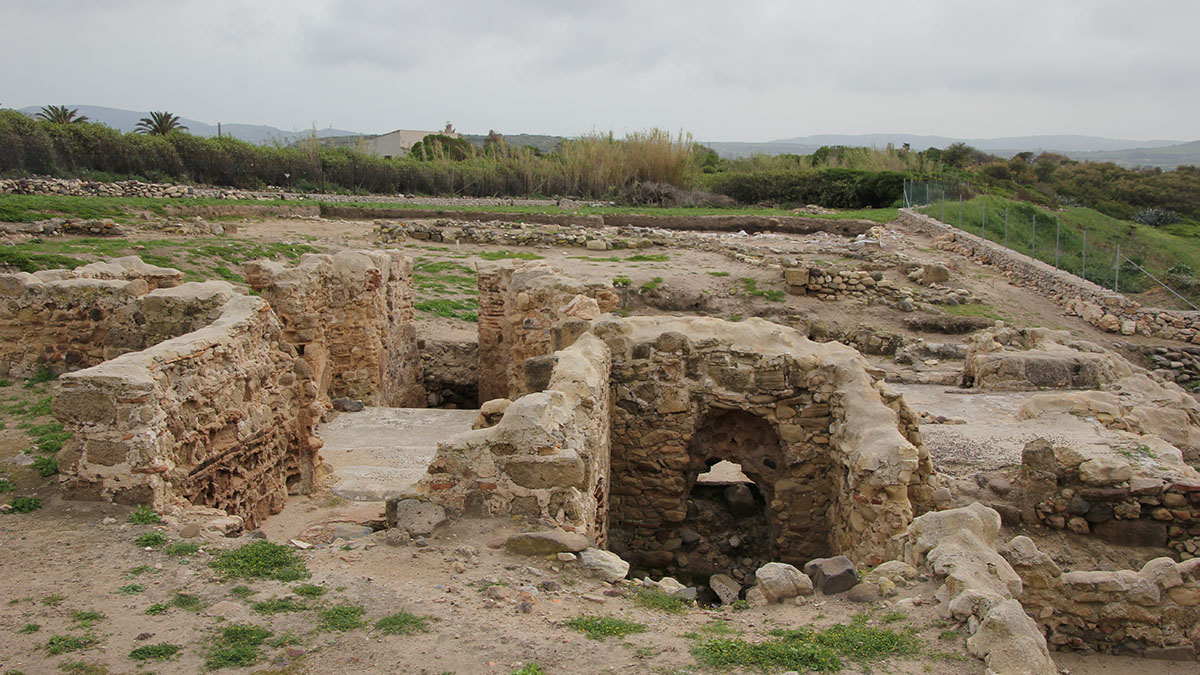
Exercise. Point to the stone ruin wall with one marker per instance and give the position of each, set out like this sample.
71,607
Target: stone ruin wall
548,457
1108,311
839,481
350,317
518,310
208,418
65,320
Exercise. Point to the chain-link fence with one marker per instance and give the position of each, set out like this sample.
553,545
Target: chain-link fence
1037,233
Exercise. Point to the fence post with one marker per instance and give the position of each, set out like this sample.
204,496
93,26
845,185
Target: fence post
983,225
1057,239
1034,254
1083,272
1117,271
960,212
927,194
943,203
1006,226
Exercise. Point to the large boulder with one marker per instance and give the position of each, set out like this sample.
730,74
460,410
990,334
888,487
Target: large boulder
546,542
780,581
414,516
832,575
1011,643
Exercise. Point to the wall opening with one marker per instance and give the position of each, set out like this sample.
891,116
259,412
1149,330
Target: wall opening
451,373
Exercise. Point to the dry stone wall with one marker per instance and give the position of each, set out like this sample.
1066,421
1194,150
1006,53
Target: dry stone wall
212,418
548,457
350,316
70,319
1109,311
519,307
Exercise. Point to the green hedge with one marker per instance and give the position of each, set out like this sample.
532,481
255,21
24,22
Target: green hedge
833,188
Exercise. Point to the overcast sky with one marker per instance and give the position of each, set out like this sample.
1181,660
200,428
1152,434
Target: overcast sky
752,70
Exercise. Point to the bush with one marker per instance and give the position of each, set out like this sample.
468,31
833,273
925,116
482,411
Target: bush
1156,217
26,504
831,188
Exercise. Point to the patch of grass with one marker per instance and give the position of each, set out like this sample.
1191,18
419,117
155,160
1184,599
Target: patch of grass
402,623
157,608
235,647
61,644
893,616
87,619
5,382
139,570
25,504
310,590
867,643
529,669
509,255
53,600
278,605
159,652
84,668
29,628
48,438
6,485
621,281
974,309
663,602
342,618
150,540
648,257
223,272
261,559
131,589
739,605
777,654
601,627
144,515
718,274
1137,452
948,635
45,466
652,284
187,602
181,548
242,592
465,309
750,287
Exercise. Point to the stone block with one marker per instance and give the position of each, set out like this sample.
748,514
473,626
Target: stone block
832,575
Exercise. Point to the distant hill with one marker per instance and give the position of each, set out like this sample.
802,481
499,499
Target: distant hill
126,121
1167,157
541,142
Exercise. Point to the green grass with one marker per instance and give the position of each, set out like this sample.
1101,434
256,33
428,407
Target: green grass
144,515
131,589
309,590
25,504
48,438
150,540
157,608
466,309
159,652
529,669
235,647
45,466
181,548
974,309
187,602
718,274
261,560
662,602
278,606
601,627
242,592
804,649
750,287
29,628
621,281
652,284
53,600
509,255
140,570
6,485
402,623
342,618
61,644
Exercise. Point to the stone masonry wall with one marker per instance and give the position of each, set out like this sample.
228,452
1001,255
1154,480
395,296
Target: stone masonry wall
1109,311
350,316
548,457
849,472
70,319
215,417
518,308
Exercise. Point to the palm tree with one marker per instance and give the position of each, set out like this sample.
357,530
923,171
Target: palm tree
60,114
159,124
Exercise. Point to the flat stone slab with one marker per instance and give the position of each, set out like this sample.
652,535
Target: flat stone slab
380,452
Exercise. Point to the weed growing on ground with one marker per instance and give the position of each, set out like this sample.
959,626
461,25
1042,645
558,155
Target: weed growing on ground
309,590
29,628
975,309
86,619
601,627
621,281
648,257
181,548
48,438
25,504
6,485
131,589
663,602
235,646
159,652
45,466
61,644
157,608
144,515
718,274
402,623
507,255
53,600
750,287
278,605
150,540
84,668
466,309
140,570
261,560
652,284
342,618
187,602
529,669
242,592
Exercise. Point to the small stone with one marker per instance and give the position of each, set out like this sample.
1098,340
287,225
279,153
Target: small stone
863,593
347,405
832,575
594,598
565,557
725,587
190,531
396,537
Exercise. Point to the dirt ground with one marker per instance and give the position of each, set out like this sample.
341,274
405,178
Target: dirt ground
71,557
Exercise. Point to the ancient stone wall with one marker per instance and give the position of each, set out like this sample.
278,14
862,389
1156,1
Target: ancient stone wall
837,456
1152,612
215,417
548,457
350,316
1007,358
70,319
451,373
518,308
1109,311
